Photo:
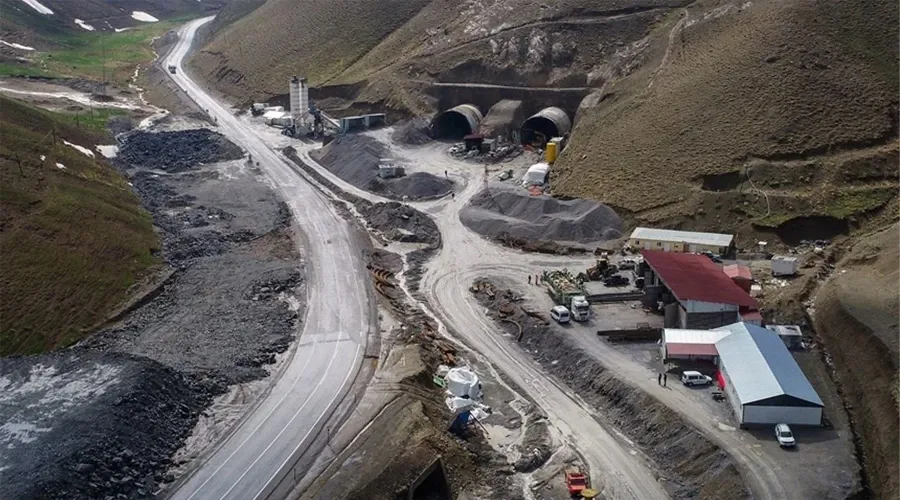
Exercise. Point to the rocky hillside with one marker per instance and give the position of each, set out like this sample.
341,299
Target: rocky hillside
856,316
767,117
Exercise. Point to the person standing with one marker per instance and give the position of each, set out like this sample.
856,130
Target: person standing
659,379
665,379
529,279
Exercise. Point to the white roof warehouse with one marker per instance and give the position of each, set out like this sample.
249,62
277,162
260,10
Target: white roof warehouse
763,381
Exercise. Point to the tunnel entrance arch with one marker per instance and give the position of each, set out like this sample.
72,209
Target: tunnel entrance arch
456,122
544,125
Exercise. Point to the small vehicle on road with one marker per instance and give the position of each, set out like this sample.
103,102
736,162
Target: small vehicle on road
172,69
560,314
784,436
691,377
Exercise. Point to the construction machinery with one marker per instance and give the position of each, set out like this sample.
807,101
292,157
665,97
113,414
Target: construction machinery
576,481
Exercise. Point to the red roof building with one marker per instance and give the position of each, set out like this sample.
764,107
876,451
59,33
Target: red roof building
706,296
740,274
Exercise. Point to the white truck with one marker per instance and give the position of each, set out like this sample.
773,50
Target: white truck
580,308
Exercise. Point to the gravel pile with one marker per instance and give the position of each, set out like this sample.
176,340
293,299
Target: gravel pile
355,158
177,151
79,424
517,214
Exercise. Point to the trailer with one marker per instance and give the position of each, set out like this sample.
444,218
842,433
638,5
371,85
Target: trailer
562,286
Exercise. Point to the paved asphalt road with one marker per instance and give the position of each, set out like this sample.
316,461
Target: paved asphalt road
331,346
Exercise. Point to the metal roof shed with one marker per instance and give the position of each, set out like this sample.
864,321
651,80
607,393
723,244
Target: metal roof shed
698,238
763,381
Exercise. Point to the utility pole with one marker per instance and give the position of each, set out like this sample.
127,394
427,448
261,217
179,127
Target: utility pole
21,172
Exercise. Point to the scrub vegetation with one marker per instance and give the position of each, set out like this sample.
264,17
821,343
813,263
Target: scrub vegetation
59,280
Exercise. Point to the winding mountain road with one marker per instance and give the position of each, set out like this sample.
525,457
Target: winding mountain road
260,452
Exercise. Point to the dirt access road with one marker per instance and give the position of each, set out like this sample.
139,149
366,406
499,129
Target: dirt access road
616,465
339,318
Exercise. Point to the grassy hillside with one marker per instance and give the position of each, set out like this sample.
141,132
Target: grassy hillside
801,97
72,240
98,56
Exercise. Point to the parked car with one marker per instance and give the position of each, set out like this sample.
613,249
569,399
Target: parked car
560,314
691,377
616,280
784,436
713,257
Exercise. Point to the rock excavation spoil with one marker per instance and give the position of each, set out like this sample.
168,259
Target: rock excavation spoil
515,214
177,151
355,159
80,424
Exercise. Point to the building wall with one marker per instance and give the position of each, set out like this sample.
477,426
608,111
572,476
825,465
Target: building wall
709,320
771,415
731,394
696,306
675,246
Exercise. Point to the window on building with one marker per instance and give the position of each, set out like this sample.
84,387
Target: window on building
637,242
659,243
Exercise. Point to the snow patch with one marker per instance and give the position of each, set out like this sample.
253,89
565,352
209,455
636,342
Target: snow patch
119,30
16,45
143,16
60,166
38,6
108,151
84,25
43,157
83,149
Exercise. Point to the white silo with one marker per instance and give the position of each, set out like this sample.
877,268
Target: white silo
299,100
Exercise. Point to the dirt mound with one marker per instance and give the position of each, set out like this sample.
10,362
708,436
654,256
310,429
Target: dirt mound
519,215
355,158
693,466
413,132
856,318
177,151
400,222
84,425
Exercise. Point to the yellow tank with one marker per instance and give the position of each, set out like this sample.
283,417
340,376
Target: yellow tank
551,152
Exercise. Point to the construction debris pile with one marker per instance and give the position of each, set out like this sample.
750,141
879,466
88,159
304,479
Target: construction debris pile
488,151
177,151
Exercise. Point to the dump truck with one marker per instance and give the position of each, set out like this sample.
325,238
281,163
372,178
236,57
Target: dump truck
562,286
576,481
172,69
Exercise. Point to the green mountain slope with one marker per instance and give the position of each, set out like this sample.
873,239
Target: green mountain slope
72,240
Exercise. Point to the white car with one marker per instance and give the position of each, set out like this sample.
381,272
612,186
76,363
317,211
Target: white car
785,436
691,377
560,314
